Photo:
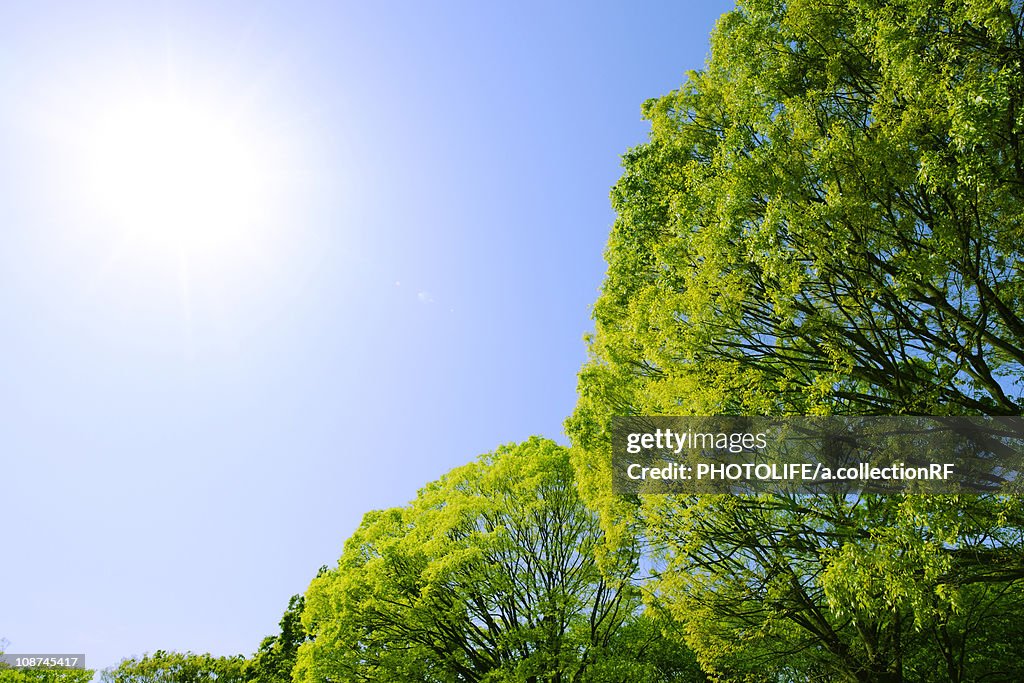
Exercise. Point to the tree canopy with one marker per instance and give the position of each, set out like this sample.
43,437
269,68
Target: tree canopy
827,219
830,215
490,574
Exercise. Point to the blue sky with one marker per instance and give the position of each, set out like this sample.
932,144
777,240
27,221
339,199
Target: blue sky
188,431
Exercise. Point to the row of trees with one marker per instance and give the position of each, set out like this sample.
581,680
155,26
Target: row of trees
272,662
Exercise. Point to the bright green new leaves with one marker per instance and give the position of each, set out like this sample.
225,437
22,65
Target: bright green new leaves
179,667
828,219
489,575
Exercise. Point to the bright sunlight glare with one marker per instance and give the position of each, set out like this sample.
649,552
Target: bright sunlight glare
178,174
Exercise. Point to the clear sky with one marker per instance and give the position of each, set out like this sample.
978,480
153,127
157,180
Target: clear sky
267,266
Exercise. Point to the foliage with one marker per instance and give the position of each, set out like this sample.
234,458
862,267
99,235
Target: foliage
274,660
178,667
8,675
491,574
828,219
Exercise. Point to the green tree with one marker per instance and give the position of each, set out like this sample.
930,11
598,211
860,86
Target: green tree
827,219
491,574
274,660
829,216
178,667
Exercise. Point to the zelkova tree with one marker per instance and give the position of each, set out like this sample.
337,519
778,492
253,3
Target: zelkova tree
490,574
827,219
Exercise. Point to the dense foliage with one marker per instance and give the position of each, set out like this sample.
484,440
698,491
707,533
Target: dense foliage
829,217
826,220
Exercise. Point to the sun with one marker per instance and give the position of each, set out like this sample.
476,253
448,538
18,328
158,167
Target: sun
179,173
